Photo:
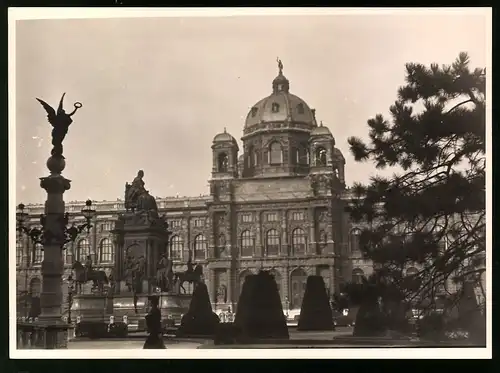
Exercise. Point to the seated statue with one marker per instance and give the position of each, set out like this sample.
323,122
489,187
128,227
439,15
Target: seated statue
134,190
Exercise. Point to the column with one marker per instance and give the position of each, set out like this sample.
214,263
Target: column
94,249
311,249
284,247
211,285
51,327
258,246
52,265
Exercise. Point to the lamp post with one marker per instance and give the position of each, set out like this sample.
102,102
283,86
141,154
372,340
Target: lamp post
40,236
53,237
71,284
287,306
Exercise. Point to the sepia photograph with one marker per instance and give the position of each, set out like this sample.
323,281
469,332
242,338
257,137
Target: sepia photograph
270,182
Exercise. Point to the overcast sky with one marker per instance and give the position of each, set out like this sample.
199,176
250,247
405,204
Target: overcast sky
156,91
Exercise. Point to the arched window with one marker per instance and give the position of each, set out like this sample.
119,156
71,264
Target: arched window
298,279
256,157
303,155
249,156
176,247
200,247
300,108
19,249
222,162
275,107
247,244
357,276
322,242
298,242
275,154
254,111
354,240
38,254
320,156
106,251
83,250
272,242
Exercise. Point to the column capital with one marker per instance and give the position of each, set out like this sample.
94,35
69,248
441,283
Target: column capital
55,184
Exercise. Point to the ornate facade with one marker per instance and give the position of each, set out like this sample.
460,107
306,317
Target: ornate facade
277,203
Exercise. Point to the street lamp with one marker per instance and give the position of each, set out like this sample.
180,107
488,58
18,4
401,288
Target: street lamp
71,284
39,236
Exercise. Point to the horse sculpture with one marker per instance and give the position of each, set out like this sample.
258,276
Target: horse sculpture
193,277
82,276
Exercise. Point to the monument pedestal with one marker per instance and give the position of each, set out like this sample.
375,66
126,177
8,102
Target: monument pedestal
40,335
141,238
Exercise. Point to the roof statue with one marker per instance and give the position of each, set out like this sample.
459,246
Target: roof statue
280,65
60,122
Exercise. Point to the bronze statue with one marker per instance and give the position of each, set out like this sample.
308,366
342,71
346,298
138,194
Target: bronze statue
83,275
280,65
193,275
134,190
164,273
60,122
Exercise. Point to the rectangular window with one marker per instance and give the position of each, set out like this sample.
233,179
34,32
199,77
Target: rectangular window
175,223
247,218
272,216
199,222
298,216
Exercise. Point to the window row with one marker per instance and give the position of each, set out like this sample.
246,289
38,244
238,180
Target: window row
79,252
272,245
300,156
275,108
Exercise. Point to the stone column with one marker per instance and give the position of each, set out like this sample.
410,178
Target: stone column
51,297
311,249
211,286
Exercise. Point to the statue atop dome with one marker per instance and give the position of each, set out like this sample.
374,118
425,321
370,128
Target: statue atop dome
280,65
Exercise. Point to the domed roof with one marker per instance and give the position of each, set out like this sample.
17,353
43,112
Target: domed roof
224,137
280,106
321,131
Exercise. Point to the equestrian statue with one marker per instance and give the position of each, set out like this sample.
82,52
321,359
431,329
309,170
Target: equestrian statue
193,275
85,273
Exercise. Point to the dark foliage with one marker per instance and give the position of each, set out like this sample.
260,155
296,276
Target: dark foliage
315,313
260,314
200,320
430,214
227,333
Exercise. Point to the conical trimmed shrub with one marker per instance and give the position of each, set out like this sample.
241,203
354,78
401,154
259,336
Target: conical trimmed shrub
260,314
315,313
244,300
200,320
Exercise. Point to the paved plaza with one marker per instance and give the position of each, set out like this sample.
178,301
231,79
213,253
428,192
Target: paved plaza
137,341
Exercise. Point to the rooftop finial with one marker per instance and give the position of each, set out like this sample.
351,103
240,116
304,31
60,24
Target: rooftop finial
280,65
225,130
321,123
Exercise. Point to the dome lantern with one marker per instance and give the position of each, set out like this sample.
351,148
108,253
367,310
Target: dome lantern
280,83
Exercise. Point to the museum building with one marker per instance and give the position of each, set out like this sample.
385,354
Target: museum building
277,203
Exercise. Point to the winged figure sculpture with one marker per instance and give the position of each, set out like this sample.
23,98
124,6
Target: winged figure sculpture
60,122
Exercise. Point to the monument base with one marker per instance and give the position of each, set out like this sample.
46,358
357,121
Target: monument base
42,335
